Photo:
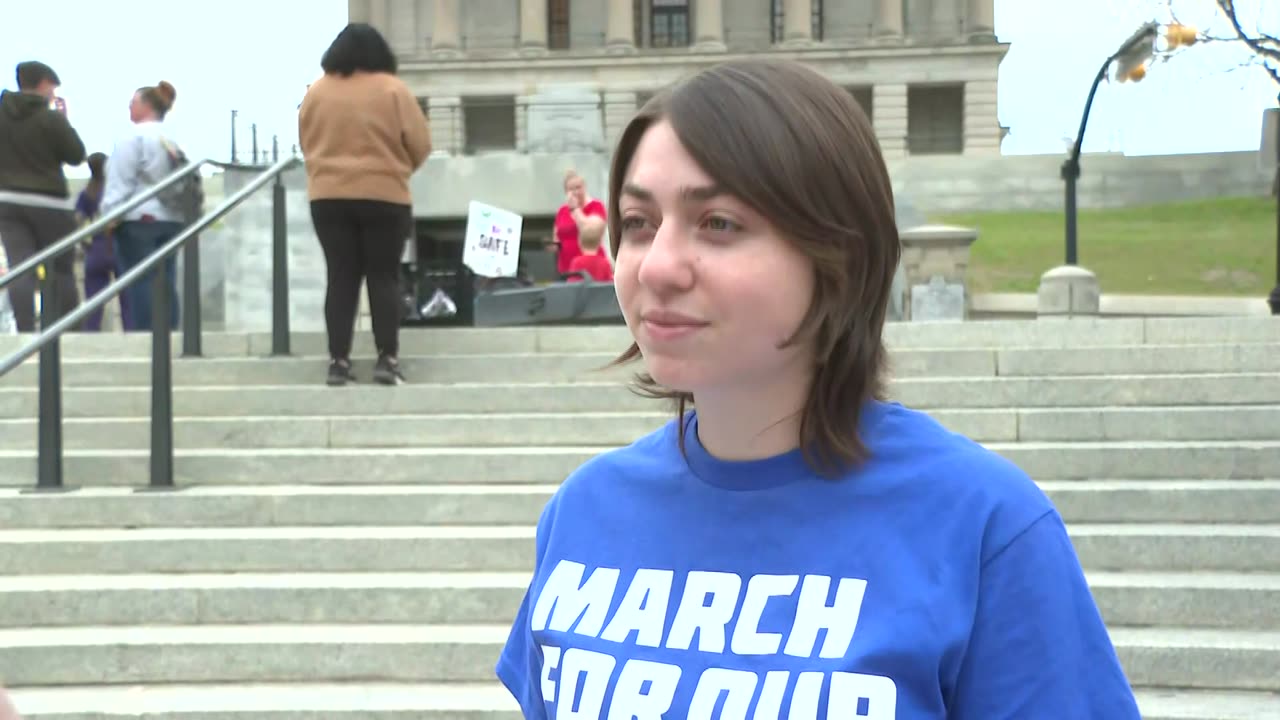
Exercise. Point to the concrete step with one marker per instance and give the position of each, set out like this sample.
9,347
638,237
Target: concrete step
498,464
1209,659
1082,332
288,701
416,399
1124,547
250,653
447,701
1152,657
1196,599
1241,601
562,367
1166,501
1106,501
1187,704
1219,422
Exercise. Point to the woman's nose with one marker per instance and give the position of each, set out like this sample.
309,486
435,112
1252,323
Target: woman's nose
668,263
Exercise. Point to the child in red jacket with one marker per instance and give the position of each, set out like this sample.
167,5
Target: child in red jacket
597,265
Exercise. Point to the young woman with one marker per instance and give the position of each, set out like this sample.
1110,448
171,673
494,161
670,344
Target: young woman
791,544
363,135
100,257
140,160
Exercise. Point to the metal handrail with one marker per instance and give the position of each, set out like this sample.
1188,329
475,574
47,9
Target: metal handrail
46,343
106,221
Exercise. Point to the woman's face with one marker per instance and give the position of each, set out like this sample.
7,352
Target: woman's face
138,110
576,188
707,286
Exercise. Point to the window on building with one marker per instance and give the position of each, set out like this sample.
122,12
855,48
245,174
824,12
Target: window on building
778,19
489,123
935,119
863,95
667,23
558,24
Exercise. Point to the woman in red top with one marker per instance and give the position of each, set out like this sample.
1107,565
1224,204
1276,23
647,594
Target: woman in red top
578,205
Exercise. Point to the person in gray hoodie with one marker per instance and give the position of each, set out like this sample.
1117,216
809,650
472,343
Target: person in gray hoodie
36,140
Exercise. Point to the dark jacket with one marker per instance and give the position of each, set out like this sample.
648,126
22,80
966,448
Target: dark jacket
35,142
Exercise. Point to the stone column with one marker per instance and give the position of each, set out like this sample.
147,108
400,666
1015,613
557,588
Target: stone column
378,15
533,27
618,109
797,22
943,22
620,36
889,24
981,120
445,37
709,24
358,11
889,117
402,31
980,24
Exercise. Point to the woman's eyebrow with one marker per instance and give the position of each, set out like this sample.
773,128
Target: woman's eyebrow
688,194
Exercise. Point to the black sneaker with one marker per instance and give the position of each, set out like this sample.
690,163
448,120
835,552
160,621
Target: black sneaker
387,371
340,373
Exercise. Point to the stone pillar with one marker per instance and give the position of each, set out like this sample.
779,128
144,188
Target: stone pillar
709,25
889,118
402,30
980,22
358,11
619,107
943,21
445,116
935,261
378,15
889,21
445,37
797,22
981,120
533,27
620,36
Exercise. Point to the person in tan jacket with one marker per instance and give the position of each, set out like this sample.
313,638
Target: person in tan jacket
362,134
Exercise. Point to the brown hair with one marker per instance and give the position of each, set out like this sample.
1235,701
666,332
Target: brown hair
590,233
159,97
797,149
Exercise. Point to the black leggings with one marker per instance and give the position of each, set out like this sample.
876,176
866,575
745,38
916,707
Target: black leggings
362,239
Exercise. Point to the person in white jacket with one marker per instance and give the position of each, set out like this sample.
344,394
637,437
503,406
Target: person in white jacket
141,159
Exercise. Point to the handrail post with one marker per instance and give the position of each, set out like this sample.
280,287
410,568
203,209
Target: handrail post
279,269
161,381
191,320
49,452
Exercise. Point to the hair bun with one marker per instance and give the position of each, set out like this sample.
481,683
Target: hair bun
167,92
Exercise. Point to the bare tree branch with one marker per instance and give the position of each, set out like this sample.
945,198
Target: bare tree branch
1265,46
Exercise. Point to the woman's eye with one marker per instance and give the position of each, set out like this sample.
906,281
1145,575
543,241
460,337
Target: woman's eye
719,224
633,222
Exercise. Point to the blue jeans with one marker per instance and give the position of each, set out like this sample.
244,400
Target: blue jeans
135,241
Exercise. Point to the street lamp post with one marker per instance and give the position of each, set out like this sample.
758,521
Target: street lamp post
1132,56
1274,299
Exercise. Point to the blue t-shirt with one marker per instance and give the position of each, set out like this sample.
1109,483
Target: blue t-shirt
934,581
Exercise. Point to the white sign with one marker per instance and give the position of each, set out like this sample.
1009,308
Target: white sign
491,247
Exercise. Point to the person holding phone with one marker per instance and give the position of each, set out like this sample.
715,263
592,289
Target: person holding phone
36,140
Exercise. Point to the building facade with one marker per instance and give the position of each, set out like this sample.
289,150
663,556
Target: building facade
924,70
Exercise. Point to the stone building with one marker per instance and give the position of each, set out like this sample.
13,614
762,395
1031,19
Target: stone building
512,75
517,91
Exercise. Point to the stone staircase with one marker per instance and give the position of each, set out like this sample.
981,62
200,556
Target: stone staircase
358,553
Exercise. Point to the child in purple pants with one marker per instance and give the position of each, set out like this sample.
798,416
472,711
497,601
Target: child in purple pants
100,258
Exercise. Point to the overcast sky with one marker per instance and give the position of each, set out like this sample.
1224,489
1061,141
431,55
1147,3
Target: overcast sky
257,57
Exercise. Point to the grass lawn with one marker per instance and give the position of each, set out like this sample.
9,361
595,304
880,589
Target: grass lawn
1223,246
